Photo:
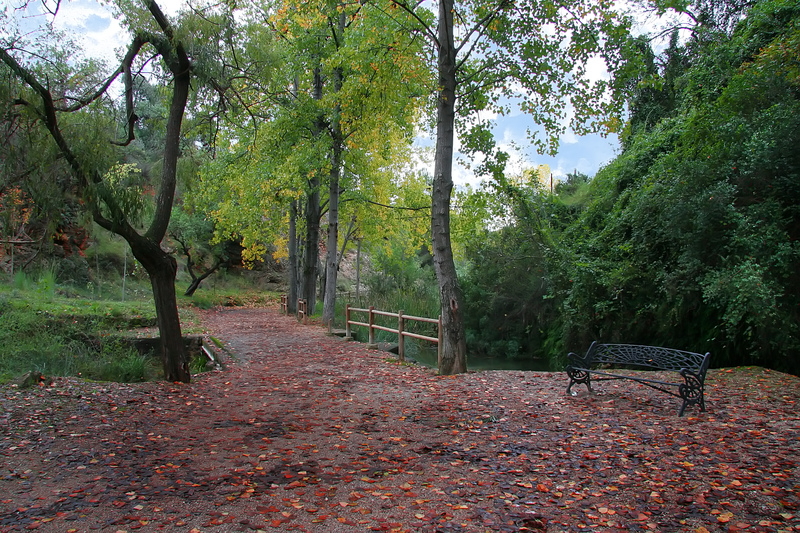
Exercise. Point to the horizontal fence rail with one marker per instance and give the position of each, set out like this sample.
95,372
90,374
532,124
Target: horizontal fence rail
400,331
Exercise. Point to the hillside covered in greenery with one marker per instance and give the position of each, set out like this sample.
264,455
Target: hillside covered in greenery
689,237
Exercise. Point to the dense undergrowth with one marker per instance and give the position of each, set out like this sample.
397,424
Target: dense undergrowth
689,237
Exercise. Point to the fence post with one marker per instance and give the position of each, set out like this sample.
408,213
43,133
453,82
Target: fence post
401,345
439,346
347,333
371,322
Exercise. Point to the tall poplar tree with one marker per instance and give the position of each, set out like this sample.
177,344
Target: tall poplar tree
488,55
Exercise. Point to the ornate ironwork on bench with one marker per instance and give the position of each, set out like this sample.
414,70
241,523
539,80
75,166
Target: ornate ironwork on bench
606,359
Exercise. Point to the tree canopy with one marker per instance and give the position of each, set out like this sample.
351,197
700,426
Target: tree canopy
287,127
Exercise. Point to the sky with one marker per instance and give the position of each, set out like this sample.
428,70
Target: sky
585,154
102,35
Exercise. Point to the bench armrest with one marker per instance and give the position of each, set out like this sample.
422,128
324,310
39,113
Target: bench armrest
582,361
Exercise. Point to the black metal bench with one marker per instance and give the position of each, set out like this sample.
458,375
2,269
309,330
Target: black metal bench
606,359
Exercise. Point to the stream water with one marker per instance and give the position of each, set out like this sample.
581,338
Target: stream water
428,356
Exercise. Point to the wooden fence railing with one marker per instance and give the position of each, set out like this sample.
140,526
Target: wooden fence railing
400,331
302,308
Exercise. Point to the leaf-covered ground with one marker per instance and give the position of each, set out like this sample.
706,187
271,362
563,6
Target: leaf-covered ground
307,432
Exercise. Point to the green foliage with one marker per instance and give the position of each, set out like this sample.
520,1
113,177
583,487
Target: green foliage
198,364
688,238
508,313
399,281
124,183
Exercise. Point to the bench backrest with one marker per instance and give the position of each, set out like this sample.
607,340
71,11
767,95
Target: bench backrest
648,356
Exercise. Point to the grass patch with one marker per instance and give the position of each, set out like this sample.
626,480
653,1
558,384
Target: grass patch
47,328
65,347
66,330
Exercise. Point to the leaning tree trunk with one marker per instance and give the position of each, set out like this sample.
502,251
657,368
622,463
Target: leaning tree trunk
453,354
198,280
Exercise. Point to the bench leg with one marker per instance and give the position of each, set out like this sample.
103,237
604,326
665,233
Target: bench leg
578,376
692,393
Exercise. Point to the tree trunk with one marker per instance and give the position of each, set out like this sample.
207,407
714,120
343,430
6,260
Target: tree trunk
332,262
292,303
337,149
162,267
313,209
453,358
311,259
173,353
358,272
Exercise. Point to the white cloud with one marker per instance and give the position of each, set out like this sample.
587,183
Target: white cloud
93,25
596,69
569,137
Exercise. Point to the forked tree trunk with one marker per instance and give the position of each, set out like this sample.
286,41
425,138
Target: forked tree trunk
160,266
453,355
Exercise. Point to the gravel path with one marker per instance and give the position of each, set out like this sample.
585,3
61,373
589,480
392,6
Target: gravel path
306,432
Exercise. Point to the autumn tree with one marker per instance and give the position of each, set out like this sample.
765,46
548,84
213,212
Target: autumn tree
345,111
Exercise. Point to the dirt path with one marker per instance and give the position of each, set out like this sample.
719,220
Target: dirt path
311,433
